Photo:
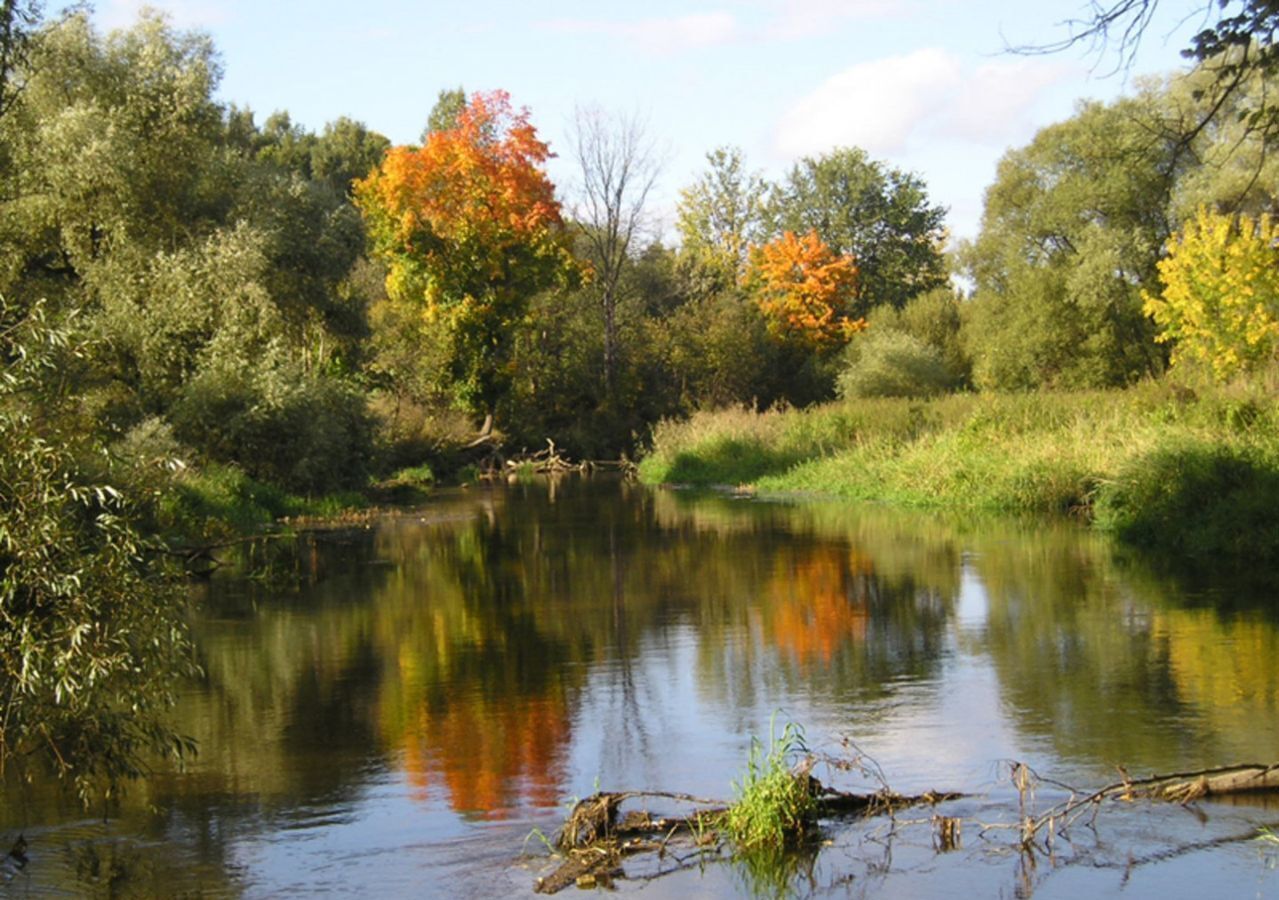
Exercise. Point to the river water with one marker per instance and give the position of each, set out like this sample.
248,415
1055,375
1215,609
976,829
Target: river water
393,711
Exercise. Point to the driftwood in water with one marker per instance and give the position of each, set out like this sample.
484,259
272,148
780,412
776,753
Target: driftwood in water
1188,787
1185,787
596,837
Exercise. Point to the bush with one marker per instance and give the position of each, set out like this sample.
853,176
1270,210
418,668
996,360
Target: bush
302,431
93,639
889,363
1196,501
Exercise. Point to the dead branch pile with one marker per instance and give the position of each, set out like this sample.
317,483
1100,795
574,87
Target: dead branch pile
596,836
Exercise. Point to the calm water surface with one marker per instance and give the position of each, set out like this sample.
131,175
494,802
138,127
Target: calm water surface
441,683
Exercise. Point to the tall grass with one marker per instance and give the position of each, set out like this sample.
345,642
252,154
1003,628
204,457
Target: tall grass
773,807
221,501
1188,472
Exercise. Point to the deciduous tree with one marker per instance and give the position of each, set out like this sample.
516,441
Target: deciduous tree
880,216
617,167
93,640
470,229
1220,300
1072,229
803,288
720,216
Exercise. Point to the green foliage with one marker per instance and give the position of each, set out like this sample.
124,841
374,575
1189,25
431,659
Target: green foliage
889,363
449,104
1197,501
720,216
210,265
17,19
774,807
301,430
880,216
936,318
92,634
1072,228
346,151
220,501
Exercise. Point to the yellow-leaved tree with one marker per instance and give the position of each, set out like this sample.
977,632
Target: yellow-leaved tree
1220,298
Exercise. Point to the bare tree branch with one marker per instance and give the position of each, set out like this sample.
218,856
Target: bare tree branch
618,166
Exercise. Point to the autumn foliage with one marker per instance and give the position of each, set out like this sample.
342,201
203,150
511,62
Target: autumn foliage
803,288
470,229
1220,299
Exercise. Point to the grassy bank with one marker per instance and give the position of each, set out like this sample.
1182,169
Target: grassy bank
1189,473
218,502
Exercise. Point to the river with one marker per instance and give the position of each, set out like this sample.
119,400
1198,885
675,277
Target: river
400,710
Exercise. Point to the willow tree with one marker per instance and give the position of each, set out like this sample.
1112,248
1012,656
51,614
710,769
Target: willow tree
93,639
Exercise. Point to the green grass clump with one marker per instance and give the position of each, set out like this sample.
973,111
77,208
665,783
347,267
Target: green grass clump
774,807
221,501
1196,500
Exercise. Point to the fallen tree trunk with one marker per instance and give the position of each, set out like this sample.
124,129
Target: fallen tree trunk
1187,787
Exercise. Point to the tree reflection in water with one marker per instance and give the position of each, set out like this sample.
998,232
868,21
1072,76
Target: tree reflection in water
481,660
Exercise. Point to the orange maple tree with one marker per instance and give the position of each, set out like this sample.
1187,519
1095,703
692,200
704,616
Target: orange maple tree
470,229
803,287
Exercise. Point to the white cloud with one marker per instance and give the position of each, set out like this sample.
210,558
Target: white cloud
1002,94
661,35
886,105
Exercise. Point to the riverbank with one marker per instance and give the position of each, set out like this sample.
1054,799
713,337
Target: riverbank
1190,473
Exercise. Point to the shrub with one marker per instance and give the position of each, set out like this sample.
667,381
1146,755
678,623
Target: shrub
1196,501
889,363
93,637
302,431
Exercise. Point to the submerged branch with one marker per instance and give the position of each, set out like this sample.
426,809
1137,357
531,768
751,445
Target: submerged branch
598,836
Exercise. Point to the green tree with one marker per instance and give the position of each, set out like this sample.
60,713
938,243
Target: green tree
17,19
93,639
889,363
284,144
346,151
443,117
112,145
193,243
880,216
1072,229
937,319
720,216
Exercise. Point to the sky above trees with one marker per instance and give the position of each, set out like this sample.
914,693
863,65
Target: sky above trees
926,85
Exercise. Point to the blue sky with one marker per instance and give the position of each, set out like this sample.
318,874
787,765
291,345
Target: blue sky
923,85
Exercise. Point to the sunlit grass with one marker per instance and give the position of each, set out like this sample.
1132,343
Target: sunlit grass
773,807
1152,463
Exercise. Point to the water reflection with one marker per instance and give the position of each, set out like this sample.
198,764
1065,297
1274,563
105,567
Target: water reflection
429,688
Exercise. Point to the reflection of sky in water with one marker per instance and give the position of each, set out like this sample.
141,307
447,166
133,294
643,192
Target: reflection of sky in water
400,728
